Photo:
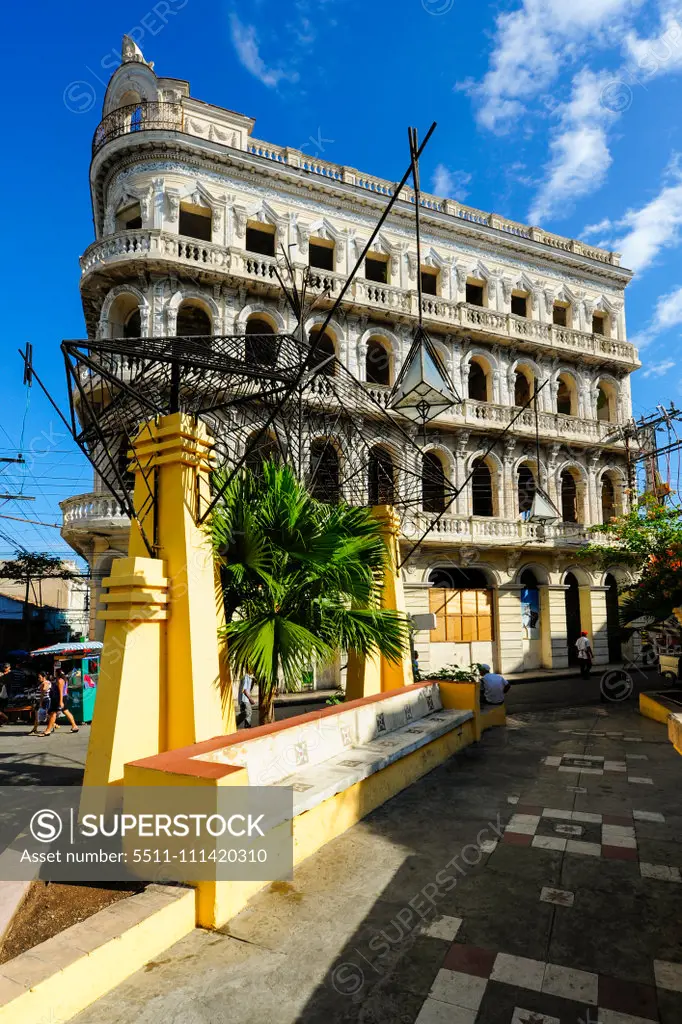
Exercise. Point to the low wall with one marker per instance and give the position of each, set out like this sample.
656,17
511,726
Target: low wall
216,763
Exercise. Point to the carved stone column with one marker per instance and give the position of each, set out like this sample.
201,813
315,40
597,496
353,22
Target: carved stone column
506,499
594,510
461,447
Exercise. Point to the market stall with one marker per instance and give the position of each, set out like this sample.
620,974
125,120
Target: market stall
80,662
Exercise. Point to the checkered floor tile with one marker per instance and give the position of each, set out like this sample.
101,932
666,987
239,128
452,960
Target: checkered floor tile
585,764
581,832
473,980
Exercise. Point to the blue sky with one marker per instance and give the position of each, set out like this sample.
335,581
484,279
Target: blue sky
560,112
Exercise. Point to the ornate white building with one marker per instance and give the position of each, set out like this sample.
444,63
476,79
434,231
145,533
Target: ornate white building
189,210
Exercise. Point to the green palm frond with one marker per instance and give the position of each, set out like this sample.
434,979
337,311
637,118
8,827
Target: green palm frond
303,577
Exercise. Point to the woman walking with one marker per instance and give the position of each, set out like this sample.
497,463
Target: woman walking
42,707
58,693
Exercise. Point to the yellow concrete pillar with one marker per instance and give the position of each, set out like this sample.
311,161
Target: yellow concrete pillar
553,625
177,449
129,720
162,685
593,618
508,628
367,676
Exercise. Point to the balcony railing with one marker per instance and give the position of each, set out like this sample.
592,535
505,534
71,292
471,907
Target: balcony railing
453,529
204,125
154,243
137,117
87,512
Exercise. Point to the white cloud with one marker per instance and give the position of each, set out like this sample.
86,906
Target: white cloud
668,311
667,314
662,52
579,152
451,184
653,227
659,369
245,42
531,45
596,229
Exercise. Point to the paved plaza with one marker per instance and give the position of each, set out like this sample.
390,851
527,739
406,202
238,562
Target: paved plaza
532,879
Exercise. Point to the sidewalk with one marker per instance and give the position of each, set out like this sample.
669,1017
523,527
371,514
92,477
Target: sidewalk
532,879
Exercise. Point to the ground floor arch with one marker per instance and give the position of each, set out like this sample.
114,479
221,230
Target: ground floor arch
573,619
462,599
613,618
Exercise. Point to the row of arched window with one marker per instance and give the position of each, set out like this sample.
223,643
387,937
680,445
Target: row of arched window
325,482
261,349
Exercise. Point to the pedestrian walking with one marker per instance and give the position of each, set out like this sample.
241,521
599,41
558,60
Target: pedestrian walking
41,711
5,672
245,701
58,703
584,654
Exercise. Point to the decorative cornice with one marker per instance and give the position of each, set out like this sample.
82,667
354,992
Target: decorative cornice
244,165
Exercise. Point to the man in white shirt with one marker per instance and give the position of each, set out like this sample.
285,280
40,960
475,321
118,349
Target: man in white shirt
584,654
494,686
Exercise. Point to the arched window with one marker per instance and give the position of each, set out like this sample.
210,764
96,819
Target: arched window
478,382
377,363
124,317
530,607
573,623
259,449
324,472
433,483
481,489
193,321
381,486
132,99
522,388
613,629
324,349
608,499
462,601
606,403
566,398
260,346
525,490
569,497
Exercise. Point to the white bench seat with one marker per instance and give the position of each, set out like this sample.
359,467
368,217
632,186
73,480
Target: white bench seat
313,784
321,756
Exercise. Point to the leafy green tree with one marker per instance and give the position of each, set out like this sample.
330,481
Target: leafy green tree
302,580
648,539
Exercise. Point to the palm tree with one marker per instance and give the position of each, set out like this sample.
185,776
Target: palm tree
302,580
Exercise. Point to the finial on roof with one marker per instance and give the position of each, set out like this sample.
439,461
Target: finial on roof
131,52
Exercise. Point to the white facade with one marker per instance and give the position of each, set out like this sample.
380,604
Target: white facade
513,306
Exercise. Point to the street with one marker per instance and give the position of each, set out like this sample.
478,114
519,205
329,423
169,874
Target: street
533,877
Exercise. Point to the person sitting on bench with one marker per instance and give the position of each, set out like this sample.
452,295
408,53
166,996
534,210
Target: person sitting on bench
493,686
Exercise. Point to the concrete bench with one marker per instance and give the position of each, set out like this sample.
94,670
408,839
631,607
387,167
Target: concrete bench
341,763
322,757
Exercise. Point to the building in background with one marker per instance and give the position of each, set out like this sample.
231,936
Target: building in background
57,609
190,209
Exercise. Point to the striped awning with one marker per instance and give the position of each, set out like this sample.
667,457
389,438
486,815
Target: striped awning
66,650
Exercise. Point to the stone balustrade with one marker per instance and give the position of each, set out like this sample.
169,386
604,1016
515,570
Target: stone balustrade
454,529
87,512
148,243
172,117
470,413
